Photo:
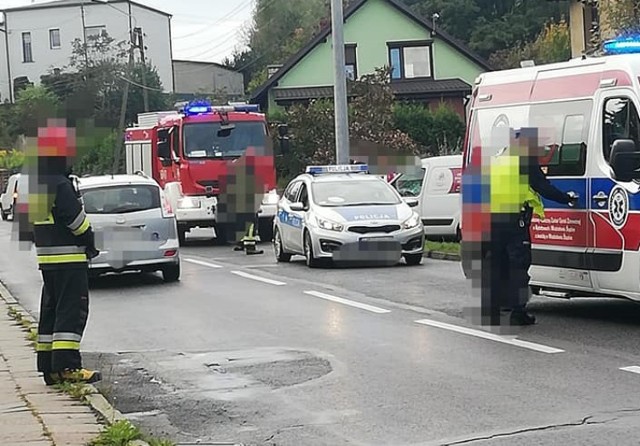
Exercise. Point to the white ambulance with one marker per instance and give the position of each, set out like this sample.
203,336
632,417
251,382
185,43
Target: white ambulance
588,111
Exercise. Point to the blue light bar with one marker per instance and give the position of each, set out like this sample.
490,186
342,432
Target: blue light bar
197,107
620,45
342,168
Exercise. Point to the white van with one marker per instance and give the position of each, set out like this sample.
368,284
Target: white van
9,197
438,191
590,112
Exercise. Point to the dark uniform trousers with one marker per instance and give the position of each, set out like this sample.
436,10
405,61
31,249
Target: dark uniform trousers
506,262
64,309
62,241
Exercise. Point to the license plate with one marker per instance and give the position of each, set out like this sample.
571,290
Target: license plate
374,239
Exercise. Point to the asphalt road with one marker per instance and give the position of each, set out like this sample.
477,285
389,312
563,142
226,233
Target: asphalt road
244,350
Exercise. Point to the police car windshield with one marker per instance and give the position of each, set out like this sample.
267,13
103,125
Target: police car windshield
353,193
120,199
201,140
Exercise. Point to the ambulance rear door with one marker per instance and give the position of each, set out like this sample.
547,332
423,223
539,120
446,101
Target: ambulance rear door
615,205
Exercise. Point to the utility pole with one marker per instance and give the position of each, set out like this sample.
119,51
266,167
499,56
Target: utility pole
340,84
123,108
140,45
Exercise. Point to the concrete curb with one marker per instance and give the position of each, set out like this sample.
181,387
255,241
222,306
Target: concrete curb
94,398
436,255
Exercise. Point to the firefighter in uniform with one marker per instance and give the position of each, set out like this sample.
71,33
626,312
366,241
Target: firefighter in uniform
64,242
239,204
516,184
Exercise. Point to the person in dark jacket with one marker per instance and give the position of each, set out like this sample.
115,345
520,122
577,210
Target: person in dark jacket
64,241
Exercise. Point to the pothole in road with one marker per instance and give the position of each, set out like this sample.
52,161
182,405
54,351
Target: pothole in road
207,395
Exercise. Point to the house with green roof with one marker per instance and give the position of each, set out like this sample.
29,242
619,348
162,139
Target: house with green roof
428,65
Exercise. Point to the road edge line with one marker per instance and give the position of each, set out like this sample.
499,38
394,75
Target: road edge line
94,398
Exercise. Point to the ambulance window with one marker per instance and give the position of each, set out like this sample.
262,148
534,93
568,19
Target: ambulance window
620,122
563,130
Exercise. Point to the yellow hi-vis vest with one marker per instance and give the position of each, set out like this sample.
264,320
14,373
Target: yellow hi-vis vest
510,190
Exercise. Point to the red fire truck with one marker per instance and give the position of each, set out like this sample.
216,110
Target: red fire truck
190,151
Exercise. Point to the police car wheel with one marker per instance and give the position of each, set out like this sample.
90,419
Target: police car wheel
413,259
312,262
281,256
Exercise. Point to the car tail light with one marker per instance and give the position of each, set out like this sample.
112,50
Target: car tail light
167,211
457,181
170,253
15,195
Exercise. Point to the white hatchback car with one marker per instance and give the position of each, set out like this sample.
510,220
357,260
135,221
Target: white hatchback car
343,214
134,224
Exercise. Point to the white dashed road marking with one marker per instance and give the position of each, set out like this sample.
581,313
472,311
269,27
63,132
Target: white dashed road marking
258,278
200,262
490,336
632,369
347,302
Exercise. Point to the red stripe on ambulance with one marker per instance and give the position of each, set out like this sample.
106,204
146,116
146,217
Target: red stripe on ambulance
549,89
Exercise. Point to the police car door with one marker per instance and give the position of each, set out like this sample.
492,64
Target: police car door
615,205
288,225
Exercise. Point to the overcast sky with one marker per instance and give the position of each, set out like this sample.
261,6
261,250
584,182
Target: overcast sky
204,30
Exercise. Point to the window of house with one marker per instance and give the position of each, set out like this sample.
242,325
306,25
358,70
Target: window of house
351,65
54,39
620,122
27,53
410,60
94,32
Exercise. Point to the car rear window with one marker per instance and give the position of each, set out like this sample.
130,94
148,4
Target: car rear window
121,199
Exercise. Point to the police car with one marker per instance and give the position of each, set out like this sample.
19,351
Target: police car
341,213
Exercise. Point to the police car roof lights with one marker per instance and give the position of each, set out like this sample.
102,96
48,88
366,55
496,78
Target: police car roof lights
622,45
340,168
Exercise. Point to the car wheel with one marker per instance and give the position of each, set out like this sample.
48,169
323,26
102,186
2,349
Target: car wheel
535,290
413,259
312,262
5,216
281,256
171,273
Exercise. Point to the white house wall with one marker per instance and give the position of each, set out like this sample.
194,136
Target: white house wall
69,20
194,77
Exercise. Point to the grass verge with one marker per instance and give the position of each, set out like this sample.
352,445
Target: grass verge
123,433
119,433
444,247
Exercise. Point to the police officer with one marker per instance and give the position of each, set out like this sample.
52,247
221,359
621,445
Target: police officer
64,241
517,182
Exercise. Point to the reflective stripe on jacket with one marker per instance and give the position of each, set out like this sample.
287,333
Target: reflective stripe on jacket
57,238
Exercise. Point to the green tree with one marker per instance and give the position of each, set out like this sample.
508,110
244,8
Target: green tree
553,44
371,127
34,105
279,29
